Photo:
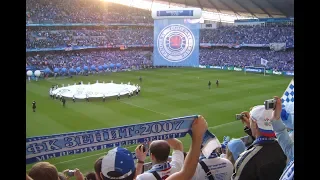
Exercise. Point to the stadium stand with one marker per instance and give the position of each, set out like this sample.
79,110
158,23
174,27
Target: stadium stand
129,42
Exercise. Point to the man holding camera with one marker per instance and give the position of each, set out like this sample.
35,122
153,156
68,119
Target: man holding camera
264,159
159,153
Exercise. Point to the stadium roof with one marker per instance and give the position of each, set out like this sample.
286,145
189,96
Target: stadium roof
248,8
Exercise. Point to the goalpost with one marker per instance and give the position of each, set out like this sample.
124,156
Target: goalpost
254,69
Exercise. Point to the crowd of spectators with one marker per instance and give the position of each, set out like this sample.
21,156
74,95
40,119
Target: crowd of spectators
46,38
73,59
269,155
83,11
63,38
248,35
277,60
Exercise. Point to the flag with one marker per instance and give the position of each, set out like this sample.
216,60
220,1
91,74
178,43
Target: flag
264,62
287,113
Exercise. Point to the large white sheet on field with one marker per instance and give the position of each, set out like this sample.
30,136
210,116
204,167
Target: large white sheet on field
94,90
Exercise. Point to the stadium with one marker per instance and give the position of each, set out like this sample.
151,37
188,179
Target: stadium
87,60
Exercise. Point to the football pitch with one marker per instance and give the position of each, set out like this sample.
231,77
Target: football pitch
165,93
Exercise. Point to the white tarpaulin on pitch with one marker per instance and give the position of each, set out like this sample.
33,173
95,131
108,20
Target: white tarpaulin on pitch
94,90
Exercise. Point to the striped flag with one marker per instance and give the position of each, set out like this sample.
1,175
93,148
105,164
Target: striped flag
287,114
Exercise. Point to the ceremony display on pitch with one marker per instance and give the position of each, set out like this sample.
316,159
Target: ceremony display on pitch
96,90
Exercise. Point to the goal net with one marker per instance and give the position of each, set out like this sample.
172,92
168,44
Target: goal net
253,69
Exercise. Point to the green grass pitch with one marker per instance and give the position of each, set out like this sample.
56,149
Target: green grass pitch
165,93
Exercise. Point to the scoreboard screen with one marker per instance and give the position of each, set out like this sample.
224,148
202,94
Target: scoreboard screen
175,13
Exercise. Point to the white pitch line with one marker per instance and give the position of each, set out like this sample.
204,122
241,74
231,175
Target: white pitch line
146,109
84,157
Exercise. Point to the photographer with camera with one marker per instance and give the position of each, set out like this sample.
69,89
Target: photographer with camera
159,153
74,173
284,139
264,158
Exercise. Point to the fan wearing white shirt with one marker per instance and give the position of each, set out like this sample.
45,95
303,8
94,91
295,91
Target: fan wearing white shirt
217,168
159,153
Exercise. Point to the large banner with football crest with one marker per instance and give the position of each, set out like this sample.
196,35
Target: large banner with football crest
176,42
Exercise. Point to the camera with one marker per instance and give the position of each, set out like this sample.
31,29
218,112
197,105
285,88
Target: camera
270,104
70,173
144,147
239,116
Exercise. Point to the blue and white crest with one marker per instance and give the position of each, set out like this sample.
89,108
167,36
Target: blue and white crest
175,43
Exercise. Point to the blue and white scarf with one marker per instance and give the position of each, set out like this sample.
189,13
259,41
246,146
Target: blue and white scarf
41,148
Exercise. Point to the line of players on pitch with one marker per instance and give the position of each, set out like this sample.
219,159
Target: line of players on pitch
62,99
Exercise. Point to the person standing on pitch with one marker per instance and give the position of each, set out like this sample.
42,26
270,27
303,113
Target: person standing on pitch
209,84
63,101
34,106
50,92
118,97
60,97
73,99
87,97
103,98
140,79
217,83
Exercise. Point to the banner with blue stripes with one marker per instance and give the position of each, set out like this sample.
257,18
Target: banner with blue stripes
176,43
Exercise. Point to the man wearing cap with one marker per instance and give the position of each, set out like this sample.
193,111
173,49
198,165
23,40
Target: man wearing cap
159,153
118,164
264,158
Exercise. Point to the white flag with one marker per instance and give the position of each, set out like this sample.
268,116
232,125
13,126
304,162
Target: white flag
264,62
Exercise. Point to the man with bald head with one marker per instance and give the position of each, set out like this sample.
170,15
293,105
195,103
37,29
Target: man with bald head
159,153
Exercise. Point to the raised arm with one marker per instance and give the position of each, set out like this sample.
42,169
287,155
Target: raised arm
199,127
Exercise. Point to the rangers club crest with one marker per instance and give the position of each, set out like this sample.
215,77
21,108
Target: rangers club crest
175,43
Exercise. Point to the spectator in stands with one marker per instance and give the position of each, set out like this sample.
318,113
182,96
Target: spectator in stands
234,148
141,154
118,164
199,127
159,153
264,159
43,170
28,177
76,173
62,176
90,176
213,167
284,139
97,167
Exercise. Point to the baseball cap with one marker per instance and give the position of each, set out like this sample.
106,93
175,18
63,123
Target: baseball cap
236,147
118,161
262,117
